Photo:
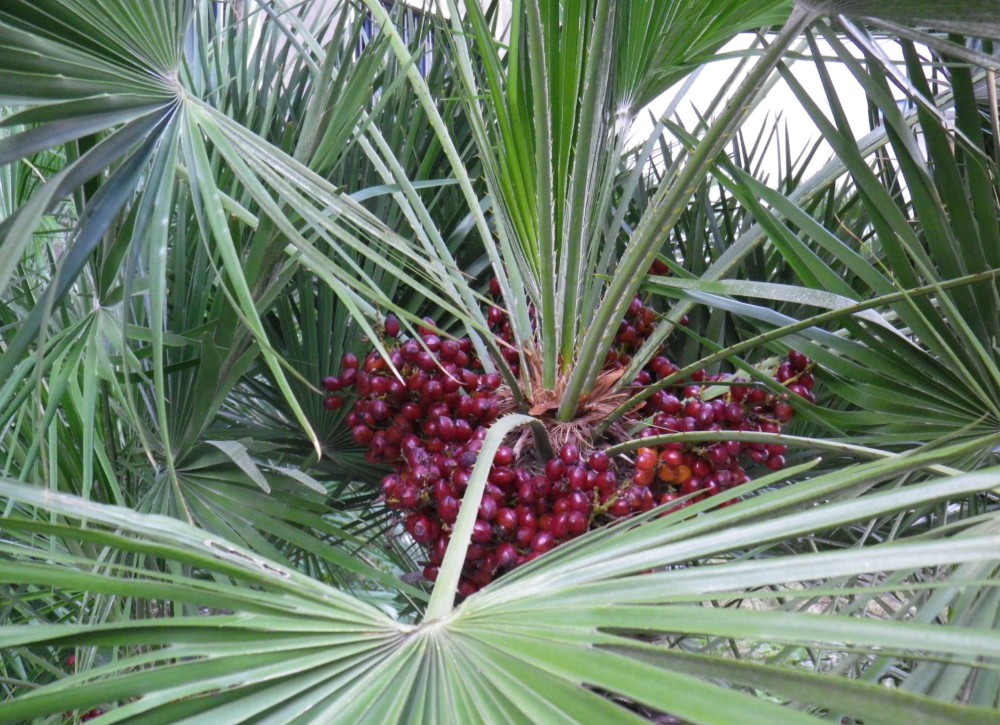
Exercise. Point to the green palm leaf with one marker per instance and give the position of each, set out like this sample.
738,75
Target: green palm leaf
625,611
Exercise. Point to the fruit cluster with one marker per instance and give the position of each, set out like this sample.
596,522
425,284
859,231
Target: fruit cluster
428,424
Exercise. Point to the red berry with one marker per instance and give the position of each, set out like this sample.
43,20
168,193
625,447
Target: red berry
554,469
506,519
560,526
448,509
599,461
506,555
431,391
391,325
482,532
504,456
605,482
524,536
569,454
718,455
646,460
671,458
577,523
362,435
620,508
577,476
379,410
658,267
670,404
428,327
488,508
798,361
502,477
542,542
441,548
691,486
802,391
450,350
578,501
420,528
783,411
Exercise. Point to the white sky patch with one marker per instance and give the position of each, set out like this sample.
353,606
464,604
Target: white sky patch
778,102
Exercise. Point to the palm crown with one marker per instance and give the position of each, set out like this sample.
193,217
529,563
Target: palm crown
206,206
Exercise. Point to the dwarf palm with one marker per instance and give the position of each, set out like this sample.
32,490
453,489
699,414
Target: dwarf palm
213,265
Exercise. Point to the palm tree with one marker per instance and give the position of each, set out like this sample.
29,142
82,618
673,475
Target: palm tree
206,205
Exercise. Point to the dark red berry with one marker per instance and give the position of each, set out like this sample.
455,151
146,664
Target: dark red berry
646,459
783,411
504,456
569,454
391,325
599,461
506,519
577,523
506,555
542,542
798,361
448,509
362,435
420,528
554,469
482,532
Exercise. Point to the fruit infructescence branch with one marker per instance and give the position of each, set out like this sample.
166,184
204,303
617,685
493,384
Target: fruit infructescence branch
429,425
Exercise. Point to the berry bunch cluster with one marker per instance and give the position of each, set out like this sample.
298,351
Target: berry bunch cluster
679,469
428,424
